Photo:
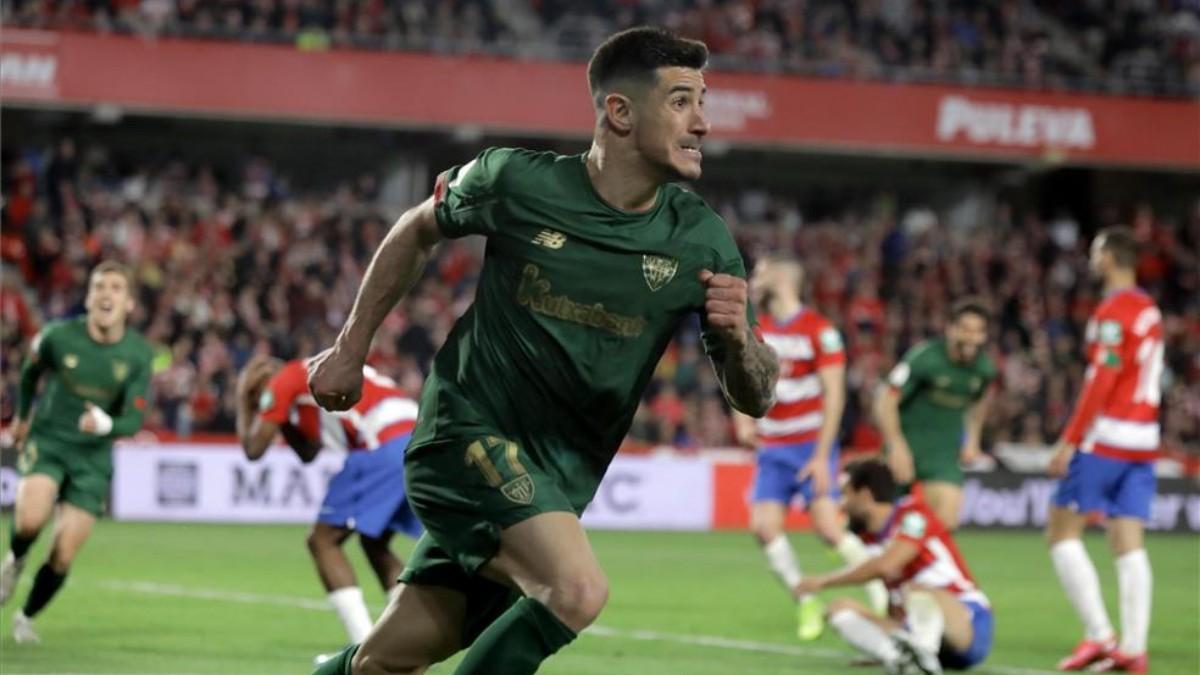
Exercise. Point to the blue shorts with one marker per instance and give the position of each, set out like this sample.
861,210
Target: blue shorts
1101,484
982,624
368,494
775,474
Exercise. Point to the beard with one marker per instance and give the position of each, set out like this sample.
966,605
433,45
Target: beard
856,524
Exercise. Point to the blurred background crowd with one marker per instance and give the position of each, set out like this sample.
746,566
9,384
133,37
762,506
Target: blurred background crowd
1120,46
231,262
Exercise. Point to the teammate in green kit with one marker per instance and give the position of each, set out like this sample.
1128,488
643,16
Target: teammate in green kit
592,263
97,373
932,411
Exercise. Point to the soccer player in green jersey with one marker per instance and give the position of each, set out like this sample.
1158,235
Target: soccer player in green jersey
592,263
932,410
97,373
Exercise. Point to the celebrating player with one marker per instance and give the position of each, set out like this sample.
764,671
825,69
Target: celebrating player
932,412
592,263
98,373
797,439
367,496
939,618
1106,460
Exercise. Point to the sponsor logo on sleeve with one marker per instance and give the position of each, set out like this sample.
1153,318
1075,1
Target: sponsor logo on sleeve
831,340
913,525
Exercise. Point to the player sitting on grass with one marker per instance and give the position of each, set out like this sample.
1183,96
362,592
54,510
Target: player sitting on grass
367,496
939,618
98,373
593,262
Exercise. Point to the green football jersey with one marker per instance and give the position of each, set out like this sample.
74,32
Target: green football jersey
935,393
113,377
576,302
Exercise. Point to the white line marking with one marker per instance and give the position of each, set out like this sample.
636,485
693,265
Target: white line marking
714,641
153,588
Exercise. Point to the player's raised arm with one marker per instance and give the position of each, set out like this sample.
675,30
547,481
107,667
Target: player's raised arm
255,432
335,375
746,367
888,564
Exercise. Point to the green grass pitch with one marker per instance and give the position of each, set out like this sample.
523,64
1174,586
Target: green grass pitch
162,598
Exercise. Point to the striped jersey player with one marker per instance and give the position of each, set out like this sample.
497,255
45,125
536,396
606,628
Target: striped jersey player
938,617
797,438
367,496
1105,457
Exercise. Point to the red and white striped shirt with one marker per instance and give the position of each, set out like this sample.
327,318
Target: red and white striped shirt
804,344
1117,413
938,563
383,413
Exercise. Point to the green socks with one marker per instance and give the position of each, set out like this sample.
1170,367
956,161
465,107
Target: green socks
338,665
516,642
45,585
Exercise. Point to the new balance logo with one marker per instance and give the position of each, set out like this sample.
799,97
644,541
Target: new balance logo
550,239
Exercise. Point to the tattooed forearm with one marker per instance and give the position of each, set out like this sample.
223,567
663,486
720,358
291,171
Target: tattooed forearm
748,373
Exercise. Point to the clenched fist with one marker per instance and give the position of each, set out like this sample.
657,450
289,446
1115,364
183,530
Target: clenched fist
725,299
335,378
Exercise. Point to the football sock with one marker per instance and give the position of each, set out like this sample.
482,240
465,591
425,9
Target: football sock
1135,583
852,550
516,642
45,585
352,610
20,545
1078,577
864,635
782,560
925,621
338,665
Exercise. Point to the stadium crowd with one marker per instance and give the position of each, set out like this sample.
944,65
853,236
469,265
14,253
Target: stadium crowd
233,265
1139,46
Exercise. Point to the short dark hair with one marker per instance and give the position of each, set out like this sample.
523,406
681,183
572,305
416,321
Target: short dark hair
971,305
875,476
1122,244
635,54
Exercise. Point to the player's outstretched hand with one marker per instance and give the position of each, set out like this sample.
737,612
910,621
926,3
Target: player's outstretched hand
725,298
335,379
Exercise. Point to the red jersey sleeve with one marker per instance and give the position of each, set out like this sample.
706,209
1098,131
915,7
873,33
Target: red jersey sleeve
1108,355
913,524
281,392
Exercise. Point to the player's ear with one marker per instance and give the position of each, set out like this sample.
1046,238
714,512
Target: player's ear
618,113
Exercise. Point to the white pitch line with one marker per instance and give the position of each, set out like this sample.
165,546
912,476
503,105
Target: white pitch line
174,590
714,641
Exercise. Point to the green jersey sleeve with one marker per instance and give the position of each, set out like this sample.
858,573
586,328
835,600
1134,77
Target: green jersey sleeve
467,198
35,363
909,375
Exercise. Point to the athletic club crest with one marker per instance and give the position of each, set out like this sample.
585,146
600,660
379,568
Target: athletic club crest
658,270
120,370
519,489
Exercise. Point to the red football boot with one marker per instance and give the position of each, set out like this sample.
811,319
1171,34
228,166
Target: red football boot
1122,663
1088,652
